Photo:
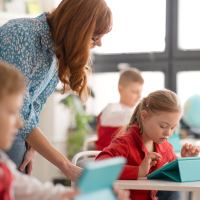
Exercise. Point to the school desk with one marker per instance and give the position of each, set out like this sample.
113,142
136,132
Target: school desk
144,184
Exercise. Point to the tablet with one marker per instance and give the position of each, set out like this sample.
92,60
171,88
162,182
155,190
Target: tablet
97,179
180,170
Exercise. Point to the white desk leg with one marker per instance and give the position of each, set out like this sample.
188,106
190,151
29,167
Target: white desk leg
195,196
185,195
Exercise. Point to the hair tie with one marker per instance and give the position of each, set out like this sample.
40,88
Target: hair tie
147,103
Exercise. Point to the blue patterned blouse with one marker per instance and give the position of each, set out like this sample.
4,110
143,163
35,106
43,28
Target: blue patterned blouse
27,44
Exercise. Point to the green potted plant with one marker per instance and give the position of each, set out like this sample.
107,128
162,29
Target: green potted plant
77,135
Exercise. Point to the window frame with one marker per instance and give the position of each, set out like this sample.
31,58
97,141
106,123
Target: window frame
171,61
179,66
132,57
178,53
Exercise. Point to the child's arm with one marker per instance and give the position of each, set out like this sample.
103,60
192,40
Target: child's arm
27,187
129,172
189,151
120,147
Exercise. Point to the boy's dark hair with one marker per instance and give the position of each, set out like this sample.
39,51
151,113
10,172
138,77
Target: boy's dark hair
11,80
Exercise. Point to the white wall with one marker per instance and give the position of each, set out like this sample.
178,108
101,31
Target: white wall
47,5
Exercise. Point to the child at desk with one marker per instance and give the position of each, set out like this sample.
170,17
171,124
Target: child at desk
13,184
116,115
144,143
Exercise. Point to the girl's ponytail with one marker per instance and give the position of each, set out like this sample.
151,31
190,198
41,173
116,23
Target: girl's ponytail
135,116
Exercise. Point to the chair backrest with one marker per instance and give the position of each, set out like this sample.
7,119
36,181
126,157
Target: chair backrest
82,162
89,140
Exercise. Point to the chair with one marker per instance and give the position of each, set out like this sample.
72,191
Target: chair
82,162
88,140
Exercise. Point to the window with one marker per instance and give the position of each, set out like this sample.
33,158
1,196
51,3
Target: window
139,26
187,85
153,81
105,88
188,25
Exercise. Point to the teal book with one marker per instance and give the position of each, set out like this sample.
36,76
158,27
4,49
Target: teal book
179,170
97,179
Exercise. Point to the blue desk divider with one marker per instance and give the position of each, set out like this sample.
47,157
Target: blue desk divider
179,170
97,179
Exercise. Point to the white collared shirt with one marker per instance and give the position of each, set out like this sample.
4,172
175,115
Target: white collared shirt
116,114
29,188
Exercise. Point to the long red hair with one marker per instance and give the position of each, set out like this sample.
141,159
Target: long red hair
73,23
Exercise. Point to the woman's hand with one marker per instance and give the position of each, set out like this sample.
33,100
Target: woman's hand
149,161
28,162
189,150
69,195
122,194
41,144
72,172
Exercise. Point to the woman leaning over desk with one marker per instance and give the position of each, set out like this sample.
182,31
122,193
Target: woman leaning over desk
51,47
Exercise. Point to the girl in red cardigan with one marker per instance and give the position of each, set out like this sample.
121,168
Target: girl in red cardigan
144,144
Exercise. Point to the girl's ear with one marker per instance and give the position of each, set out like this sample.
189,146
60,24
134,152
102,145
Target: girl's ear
144,115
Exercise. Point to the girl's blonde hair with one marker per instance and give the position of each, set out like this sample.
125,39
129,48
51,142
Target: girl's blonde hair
155,102
73,23
11,80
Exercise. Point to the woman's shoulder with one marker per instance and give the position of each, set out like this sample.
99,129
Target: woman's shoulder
28,34
23,25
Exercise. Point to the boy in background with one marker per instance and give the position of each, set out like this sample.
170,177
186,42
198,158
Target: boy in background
116,115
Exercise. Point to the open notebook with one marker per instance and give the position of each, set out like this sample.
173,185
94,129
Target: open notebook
97,179
180,170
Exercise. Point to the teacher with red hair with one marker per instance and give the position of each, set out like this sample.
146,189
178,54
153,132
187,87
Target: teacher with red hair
51,47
